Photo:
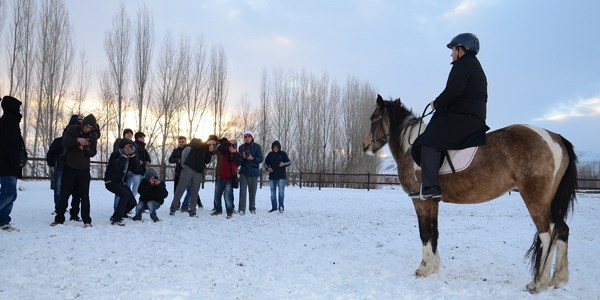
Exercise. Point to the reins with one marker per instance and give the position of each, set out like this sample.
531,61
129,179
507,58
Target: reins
420,119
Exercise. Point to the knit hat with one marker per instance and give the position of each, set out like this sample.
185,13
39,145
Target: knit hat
248,133
125,142
151,172
89,120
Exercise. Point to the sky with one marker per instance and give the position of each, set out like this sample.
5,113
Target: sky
541,57
331,243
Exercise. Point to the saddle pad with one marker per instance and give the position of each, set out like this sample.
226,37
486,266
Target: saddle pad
461,159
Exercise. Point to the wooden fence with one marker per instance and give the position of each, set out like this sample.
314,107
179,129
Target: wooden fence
37,169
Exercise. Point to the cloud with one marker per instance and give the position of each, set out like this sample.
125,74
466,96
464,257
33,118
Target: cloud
582,108
283,41
463,8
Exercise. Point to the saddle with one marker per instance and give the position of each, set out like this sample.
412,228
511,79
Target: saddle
457,160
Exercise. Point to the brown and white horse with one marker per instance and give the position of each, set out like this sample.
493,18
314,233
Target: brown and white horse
540,163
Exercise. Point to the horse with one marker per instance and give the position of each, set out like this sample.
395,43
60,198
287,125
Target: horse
539,163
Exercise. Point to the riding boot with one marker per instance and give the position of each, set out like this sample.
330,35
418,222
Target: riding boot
430,166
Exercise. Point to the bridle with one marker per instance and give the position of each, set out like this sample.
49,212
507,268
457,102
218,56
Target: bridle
383,139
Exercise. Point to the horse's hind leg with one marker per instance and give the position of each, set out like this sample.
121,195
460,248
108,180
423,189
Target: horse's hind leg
427,214
561,269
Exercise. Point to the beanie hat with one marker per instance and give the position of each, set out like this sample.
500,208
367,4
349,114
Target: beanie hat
151,172
125,142
248,133
89,120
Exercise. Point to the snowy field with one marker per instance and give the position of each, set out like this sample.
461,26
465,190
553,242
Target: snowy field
329,244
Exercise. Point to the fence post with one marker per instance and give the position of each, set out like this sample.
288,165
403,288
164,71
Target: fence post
320,173
368,180
300,183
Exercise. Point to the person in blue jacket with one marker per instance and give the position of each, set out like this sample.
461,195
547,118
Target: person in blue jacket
276,163
252,157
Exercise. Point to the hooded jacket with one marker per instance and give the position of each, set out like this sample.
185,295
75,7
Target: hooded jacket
117,167
11,140
56,153
273,161
196,156
75,157
229,162
149,192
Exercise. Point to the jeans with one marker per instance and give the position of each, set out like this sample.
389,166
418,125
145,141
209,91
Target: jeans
8,195
152,206
133,182
219,189
274,184
228,193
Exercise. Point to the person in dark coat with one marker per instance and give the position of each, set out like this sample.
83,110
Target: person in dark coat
175,158
460,113
276,163
195,158
80,141
115,180
252,157
127,135
138,163
153,192
55,159
12,158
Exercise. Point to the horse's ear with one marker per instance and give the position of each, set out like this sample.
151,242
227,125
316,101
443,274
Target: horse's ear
379,100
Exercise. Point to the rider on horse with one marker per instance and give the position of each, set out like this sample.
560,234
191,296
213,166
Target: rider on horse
459,118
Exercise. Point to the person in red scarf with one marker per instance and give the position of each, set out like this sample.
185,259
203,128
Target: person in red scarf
231,159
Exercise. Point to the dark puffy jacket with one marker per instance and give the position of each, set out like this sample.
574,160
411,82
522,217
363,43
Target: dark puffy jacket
139,167
75,157
273,160
198,156
460,110
56,153
149,192
117,167
11,140
251,167
175,156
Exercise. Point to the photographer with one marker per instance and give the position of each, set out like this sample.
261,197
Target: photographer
80,141
152,195
115,180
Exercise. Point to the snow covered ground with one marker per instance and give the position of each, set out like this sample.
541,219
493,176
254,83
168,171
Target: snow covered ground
329,244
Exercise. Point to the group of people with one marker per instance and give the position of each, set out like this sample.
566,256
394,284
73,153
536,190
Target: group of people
128,173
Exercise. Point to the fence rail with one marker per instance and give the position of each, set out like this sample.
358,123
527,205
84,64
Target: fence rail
37,169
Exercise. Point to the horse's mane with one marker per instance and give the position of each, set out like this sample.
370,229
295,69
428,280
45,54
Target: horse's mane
402,123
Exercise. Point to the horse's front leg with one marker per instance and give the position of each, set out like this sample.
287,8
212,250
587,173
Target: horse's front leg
427,214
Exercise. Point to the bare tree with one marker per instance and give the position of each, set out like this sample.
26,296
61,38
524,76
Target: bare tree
2,14
20,51
144,41
264,105
218,86
82,83
196,90
116,45
168,92
55,55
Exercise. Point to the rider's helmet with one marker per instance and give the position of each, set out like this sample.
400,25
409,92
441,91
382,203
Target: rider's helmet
468,40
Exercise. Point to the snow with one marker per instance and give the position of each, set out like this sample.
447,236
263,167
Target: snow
328,244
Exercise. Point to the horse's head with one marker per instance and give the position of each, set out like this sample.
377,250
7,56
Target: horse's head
379,132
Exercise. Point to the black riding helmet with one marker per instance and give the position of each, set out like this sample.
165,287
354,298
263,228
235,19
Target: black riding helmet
467,40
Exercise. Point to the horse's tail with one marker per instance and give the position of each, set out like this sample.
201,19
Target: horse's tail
562,203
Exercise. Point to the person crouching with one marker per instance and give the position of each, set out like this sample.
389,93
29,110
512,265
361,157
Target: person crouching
152,195
115,180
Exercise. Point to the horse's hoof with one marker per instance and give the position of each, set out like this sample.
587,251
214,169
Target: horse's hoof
557,281
535,287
